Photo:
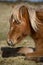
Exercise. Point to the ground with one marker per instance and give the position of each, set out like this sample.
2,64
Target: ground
5,12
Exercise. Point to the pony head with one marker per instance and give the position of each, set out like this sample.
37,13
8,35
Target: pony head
19,25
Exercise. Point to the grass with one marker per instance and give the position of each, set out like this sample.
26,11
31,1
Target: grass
5,12
16,61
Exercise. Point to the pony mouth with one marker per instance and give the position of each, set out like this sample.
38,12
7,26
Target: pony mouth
11,44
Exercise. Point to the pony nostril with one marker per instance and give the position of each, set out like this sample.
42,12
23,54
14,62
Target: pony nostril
10,43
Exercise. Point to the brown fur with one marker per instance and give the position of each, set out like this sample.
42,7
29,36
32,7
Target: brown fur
38,37
23,28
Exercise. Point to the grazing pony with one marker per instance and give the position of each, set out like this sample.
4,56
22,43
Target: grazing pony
23,22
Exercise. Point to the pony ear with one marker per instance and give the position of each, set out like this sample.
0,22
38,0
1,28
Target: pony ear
23,13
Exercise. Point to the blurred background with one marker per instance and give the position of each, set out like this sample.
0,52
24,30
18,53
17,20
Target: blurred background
23,0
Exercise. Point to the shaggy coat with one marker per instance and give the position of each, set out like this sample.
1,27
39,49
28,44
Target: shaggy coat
23,22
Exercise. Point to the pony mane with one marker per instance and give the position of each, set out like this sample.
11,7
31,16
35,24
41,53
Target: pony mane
32,15
33,20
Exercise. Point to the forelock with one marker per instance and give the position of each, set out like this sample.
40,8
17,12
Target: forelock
15,11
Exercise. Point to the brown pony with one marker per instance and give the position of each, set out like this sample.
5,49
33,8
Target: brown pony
25,22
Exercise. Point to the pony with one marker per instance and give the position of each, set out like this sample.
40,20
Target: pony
23,22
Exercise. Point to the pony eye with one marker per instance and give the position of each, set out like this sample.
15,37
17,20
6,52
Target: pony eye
17,22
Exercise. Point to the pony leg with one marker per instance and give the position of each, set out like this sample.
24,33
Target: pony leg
37,55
